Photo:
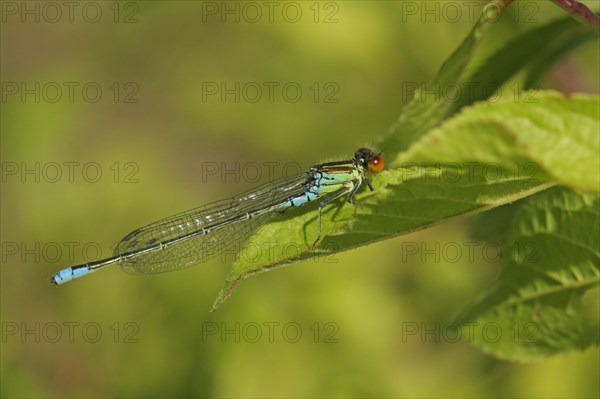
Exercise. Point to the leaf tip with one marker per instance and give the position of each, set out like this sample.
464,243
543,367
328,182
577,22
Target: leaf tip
231,283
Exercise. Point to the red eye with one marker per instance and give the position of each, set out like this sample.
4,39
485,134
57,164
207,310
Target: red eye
376,163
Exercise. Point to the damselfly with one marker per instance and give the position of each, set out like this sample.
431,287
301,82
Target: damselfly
195,236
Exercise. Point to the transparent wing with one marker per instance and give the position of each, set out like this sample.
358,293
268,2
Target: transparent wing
193,250
196,248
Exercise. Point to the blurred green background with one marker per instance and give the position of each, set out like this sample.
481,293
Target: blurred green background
82,168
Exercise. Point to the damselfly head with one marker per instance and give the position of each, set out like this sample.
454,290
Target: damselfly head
368,159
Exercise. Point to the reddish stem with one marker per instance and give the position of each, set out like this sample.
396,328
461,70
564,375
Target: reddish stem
581,13
505,3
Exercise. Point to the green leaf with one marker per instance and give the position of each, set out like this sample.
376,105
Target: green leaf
430,105
451,90
523,51
555,134
406,200
552,257
569,38
484,157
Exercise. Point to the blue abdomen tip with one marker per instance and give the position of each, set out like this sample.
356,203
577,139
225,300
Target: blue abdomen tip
69,274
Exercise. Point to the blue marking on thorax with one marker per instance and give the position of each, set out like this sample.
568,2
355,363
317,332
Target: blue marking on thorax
308,196
311,193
